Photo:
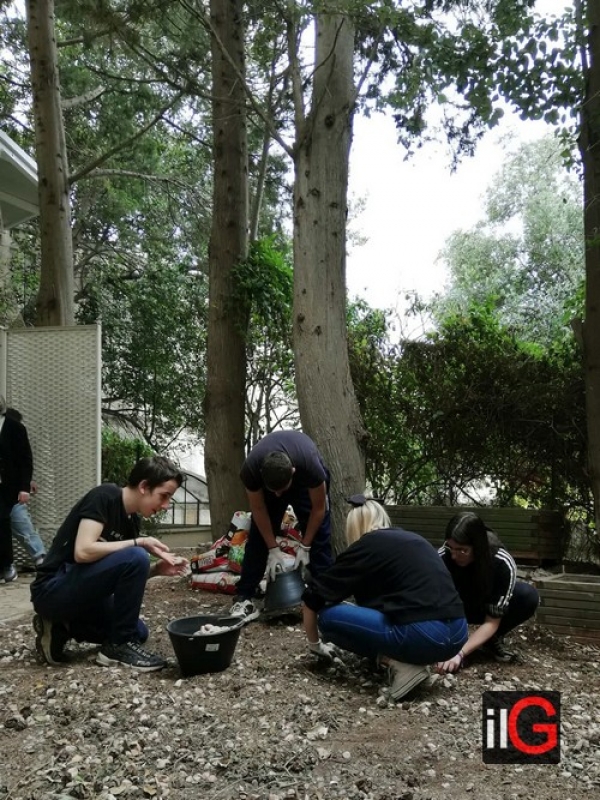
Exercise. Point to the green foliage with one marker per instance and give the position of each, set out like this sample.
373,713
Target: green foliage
527,255
153,329
470,407
119,454
265,282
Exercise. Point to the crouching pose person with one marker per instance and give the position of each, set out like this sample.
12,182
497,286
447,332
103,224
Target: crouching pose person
407,612
485,576
91,584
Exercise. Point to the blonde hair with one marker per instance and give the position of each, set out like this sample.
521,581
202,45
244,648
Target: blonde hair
371,516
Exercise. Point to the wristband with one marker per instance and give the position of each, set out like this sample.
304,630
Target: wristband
461,655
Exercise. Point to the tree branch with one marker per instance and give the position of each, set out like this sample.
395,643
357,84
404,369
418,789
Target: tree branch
122,145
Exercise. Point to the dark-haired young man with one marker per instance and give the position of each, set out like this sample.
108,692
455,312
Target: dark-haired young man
284,468
16,468
91,584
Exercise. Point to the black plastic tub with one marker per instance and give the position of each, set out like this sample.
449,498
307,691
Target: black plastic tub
213,652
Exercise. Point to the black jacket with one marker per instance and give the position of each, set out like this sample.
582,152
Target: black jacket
393,571
16,461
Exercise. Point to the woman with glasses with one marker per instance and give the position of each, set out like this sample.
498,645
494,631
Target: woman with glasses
485,576
407,613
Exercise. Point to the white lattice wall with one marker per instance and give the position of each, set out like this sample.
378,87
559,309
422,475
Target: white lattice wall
53,377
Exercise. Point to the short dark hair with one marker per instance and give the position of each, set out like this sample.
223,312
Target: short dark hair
12,413
276,471
154,470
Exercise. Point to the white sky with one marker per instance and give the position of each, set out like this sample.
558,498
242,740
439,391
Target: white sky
413,206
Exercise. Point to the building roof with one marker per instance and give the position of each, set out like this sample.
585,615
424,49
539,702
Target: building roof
18,184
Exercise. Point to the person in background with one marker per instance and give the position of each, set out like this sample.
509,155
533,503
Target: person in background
16,468
485,576
20,518
91,584
407,613
284,468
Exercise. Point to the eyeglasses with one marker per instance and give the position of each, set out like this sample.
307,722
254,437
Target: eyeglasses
459,551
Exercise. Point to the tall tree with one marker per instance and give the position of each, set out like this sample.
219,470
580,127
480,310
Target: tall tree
328,407
54,303
526,254
589,143
226,350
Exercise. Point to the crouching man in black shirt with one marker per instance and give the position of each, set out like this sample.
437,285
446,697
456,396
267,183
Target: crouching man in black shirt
91,584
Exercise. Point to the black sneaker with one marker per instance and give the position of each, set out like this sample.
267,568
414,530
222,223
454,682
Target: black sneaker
244,610
129,654
50,640
495,649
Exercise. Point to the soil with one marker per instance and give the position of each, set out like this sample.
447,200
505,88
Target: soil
278,723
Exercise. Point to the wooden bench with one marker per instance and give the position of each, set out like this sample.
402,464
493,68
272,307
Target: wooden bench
570,606
532,536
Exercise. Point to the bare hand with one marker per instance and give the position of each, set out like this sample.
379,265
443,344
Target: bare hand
452,665
180,567
158,549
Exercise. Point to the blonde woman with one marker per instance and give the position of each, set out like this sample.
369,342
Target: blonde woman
407,613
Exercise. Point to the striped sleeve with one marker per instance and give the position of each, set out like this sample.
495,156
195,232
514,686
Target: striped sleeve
505,576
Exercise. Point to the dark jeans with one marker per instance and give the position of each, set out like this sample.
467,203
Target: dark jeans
98,602
370,633
256,551
522,606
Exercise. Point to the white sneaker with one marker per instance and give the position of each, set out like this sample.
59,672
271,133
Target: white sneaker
405,677
244,610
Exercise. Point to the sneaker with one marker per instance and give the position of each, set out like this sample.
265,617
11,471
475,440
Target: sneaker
244,610
495,649
39,560
129,654
9,574
405,677
50,640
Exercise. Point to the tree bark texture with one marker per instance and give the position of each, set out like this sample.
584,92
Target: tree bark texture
328,407
54,303
590,151
227,322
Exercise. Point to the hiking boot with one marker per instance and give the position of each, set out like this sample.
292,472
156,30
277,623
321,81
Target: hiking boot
50,640
405,677
495,648
244,610
9,574
129,654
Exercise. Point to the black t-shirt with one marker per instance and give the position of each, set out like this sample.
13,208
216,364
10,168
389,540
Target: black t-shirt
302,452
393,571
102,504
502,584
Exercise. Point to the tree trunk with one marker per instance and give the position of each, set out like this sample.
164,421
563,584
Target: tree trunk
589,144
226,343
328,407
54,304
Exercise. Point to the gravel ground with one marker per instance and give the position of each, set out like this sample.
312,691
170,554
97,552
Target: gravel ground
278,723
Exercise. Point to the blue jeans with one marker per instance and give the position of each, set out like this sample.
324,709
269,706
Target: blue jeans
370,633
98,602
22,528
